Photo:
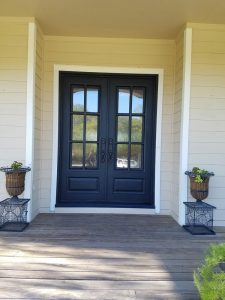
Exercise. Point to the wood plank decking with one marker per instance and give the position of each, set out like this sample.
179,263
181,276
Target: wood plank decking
101,256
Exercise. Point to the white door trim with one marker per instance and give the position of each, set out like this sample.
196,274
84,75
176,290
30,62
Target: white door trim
95,69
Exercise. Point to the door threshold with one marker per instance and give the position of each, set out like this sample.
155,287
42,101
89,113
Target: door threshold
105,210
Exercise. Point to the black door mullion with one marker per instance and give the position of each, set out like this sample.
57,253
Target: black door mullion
85,127
130,127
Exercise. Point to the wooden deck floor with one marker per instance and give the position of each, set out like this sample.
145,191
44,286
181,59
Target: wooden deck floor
110,257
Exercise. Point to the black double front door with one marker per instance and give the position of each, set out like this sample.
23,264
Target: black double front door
107,126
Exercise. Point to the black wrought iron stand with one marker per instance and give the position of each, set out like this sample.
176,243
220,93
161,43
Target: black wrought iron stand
13,214
199,218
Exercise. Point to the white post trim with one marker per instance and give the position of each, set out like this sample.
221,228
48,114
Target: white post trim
184,133
95,69
158,143
55,138
30,110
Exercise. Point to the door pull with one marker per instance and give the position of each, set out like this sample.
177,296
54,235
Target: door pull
103,150
110,149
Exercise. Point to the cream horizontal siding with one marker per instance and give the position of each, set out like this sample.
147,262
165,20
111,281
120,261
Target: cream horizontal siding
207,112
13,77
112,53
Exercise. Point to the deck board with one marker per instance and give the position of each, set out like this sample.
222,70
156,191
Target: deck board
101,257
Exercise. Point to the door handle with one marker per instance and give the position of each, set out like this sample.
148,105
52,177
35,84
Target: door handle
103,150
110,149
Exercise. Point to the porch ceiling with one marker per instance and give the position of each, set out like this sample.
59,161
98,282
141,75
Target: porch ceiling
116,18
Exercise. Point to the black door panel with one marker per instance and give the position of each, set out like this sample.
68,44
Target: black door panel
106,140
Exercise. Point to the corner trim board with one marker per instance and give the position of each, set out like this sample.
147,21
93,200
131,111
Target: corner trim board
184,133
30,107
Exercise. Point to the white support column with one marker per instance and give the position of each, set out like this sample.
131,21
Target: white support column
31,62
184,132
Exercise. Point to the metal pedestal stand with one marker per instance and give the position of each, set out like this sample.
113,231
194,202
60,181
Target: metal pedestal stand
199,218
13,214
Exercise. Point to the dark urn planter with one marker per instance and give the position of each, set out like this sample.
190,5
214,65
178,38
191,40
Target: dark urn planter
199,190
15,181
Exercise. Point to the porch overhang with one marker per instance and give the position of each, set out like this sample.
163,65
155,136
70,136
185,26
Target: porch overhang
160,19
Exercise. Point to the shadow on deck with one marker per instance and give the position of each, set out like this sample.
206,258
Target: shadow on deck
101,256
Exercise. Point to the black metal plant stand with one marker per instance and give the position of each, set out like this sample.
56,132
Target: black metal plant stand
199,218
13,214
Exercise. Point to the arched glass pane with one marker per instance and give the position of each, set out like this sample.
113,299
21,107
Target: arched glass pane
78,99
92,100
123,101
137,101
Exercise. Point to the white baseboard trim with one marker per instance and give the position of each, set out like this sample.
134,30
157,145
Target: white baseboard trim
105,210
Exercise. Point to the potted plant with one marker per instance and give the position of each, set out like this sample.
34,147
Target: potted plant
15,178
199,183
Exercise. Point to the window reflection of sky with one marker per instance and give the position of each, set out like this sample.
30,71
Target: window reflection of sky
78,100
92,100
123,105
124,101
137,105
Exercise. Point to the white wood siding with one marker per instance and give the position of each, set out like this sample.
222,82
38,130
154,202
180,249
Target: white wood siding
207,113
112,53
13,78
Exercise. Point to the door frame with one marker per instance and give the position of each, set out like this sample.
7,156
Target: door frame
110,70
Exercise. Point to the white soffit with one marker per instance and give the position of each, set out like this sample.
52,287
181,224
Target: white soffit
159,19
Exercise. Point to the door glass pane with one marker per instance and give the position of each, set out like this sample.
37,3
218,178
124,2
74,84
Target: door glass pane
91,128
92,100
77,155
78,127
123,101
122,156
91,156
137,101
136,129
78,99
123,129
136,156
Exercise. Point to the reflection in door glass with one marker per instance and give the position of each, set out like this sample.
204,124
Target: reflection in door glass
77,155
92,128
91,155
78,99
124,101
123,129
122,156
137,101
136,129
78,127
136,156
92,100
